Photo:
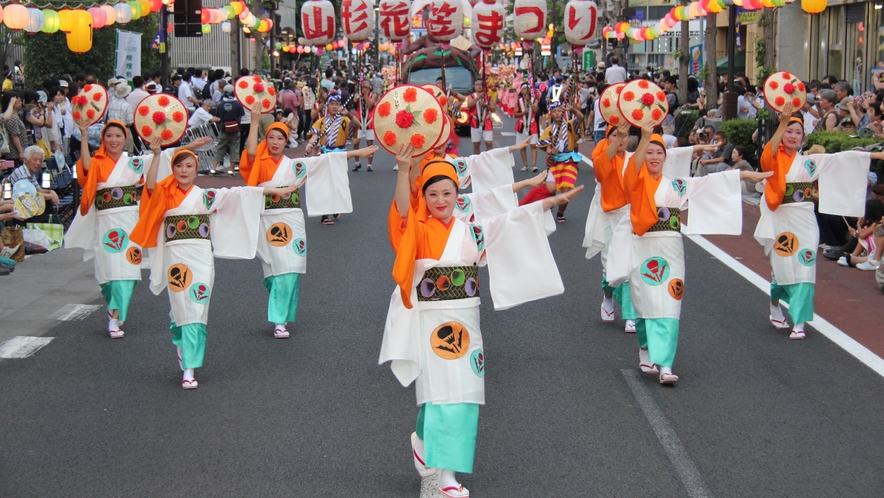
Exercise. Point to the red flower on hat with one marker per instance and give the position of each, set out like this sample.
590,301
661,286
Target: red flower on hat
143,110
661,96
81,100
384,109
159,117
410,94
628,96
774,85
146,131
96,97
167,135
656,114
258,87
87,88
266,103
90,114
271,90
787,76
643,84
163,100
177,116
430,115
250,99
614,120
417,140
796,102
606,103
404,119
257,79
243,84
77,115
801,86
789,88
638,114
780,101
647,99
443,100
390,138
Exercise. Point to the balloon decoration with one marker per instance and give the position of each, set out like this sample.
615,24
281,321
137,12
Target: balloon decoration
529,18
318,21
487,23
395,21
357,18
580,21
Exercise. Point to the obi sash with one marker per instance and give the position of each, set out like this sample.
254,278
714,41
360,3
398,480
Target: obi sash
447,283
115,197
187,226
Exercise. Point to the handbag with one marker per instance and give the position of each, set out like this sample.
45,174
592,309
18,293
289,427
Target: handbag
231,127
44,146
54,231
11,237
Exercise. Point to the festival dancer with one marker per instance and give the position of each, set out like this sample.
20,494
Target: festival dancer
186,226
365,115
432,333
480,110
527,126
560,141
282,240
108,213
787,228
330,132
647,247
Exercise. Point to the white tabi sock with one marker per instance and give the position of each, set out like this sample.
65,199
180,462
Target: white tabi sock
644,357
776,312
798,327
188,374
665,371
446,478
369,165
280,326
608,303
113,324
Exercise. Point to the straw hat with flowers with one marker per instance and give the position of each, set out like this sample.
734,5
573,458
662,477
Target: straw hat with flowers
88,107
781,88
608,104
642,102
438,93
160,114
408,114
252,90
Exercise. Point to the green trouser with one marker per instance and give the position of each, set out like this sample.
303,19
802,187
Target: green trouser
623,297
118,294
660,337
282,307
798,296
191,338
449,435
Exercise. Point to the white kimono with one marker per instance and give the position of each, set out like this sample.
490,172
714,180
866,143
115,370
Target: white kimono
485,171
187,266
455,374
104,234
790,235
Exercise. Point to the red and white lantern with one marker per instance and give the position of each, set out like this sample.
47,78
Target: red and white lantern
580,21
487,23
444,19
318,21
529,19
395,19
357,17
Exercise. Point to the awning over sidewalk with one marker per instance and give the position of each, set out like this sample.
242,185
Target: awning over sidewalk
739,63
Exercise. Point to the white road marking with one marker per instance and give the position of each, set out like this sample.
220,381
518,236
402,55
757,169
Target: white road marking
74,312
507,134
687,472
819,323
22,346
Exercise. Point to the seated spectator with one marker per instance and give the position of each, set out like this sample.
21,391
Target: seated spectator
738,157
30,170
870,234
7,265
721,160
847,126
203,115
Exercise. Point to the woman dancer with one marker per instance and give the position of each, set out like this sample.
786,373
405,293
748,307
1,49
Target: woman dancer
439,344
108,213
188,226
527,126
788,228
283,247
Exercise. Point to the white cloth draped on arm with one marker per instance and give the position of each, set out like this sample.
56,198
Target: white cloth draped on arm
594,233
716,206
235,222
491,169
328,186
843,179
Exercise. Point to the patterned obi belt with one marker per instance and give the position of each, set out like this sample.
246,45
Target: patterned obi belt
668,220
798,192
285,201
187,226
115,197
447,283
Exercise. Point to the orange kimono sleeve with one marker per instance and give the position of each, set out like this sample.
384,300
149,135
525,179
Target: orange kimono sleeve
643,208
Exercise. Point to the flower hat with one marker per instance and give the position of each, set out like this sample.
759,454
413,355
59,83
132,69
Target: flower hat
251,90
608,104
163,114
89,105
641,101
438,93
408,114
781,88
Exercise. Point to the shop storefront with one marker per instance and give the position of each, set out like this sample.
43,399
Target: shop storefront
849,43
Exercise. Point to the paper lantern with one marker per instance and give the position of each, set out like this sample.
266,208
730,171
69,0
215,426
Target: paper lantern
300,49
357,18
15,16
99,18
580,21
487,22
318,21
110,15
1,13
529,18
206,28
155,6
307,50
50,21
237,7
123,13
80,38
145,7
263,26
715,7
444,19
225,27
136,9
810,6
35,20
66,21
205,16
229,12
395,21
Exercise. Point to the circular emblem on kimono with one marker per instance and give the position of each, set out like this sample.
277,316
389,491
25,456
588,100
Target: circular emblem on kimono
133,254
786,244
477,361
300,169
208,198
807,257
460,164
810,166
279,234
300,246
655,271
463,203
676,288
680,186
179,277
665,215
199,293
136,164
450,341
478,236
115,240
472,286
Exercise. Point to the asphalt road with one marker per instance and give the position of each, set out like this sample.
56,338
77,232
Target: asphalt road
754,413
